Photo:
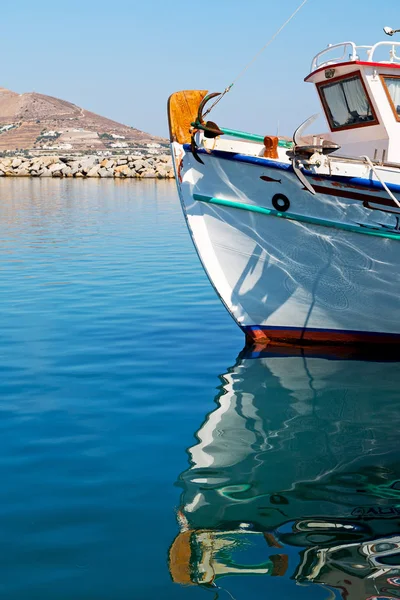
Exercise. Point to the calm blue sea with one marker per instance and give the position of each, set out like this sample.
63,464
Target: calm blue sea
143,454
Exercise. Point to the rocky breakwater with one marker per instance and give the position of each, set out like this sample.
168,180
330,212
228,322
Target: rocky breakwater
149,166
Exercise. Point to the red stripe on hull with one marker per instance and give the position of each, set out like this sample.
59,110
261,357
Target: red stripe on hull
305,337
353,62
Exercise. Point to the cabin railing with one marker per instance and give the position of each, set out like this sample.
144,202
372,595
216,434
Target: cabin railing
392,52
351,52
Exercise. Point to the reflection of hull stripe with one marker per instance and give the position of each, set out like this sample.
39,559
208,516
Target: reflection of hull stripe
300,218
273,164
260,334
382,352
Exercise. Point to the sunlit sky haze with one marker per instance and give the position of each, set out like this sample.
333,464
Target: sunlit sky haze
123,59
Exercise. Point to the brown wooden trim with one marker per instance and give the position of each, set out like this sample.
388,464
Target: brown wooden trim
367,200
182,111
389,97
328,82
321,189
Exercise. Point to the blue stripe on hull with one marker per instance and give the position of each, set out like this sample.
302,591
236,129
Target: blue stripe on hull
272,164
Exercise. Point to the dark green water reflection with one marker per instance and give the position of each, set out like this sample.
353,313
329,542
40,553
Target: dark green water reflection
295,478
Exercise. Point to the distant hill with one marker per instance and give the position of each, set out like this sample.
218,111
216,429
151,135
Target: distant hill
44,124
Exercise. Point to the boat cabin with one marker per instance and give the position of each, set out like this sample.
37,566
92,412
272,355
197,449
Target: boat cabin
359,89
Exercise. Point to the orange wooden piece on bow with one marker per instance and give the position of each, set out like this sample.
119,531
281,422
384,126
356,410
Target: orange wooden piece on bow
271,146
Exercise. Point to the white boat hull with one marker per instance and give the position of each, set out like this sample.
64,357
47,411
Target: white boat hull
324,270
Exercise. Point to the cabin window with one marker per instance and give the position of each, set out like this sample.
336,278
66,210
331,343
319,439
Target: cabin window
346,103
392,85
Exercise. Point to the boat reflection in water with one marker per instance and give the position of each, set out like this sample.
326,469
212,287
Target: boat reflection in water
296,474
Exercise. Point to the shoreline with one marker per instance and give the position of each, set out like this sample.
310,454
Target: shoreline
150,166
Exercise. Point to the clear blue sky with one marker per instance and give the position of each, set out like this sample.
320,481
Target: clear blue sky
122,59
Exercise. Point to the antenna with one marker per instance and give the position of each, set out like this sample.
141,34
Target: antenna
390,31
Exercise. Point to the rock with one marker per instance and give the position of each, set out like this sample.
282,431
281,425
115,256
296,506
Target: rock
74,164
161,167
35,166
148,173
124,170
46,161
133,165
138,165
87,163
94,171
66,170
2,174
56,167
107,163
162,171
105,172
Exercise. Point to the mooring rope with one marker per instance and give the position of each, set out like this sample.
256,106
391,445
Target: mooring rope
243,71
385,187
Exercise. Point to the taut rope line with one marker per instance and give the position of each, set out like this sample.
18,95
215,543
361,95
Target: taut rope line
242,72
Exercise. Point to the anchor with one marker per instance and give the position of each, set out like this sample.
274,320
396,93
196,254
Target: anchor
211,129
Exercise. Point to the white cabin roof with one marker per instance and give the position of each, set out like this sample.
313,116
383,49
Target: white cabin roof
359,90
